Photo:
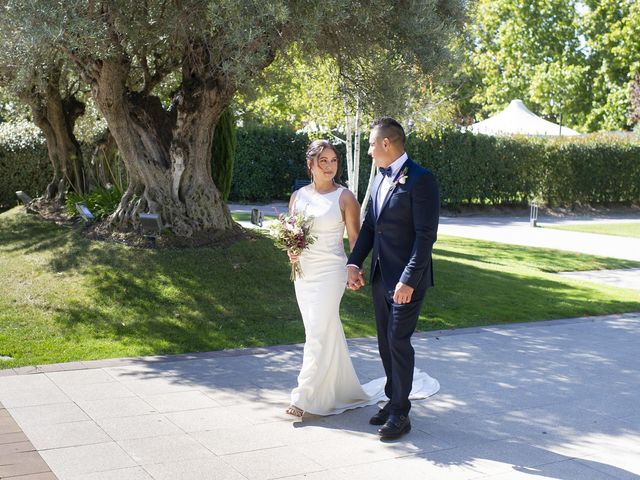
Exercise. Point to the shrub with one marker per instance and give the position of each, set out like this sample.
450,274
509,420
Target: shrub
268,161
24,163
102,201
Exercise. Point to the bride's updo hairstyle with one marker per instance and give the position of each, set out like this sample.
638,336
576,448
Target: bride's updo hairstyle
313,152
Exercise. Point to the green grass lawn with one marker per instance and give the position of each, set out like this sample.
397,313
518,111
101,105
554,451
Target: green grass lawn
627,229
65,298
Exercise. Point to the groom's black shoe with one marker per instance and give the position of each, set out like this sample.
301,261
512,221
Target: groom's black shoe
395,427
379,418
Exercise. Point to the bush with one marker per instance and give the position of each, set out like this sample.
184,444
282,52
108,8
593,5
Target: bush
102,201
268,161
24,163
471,169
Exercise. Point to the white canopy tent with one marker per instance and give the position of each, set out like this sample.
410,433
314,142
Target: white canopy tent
518,119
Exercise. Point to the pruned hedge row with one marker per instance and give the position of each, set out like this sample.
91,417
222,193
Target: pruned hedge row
24,164
471,169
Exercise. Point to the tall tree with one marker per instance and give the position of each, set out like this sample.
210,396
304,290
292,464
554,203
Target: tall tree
124,49
41,79
611,29
572,58
529,51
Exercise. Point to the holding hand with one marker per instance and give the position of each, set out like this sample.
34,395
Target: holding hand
293,258
355,278
403,293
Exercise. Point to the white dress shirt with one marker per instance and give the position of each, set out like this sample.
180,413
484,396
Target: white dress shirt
387,182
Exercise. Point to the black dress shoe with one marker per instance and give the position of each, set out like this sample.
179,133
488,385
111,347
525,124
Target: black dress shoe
379,418
395,427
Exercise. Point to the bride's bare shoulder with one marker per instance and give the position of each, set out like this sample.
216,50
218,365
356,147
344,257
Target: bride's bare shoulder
347,198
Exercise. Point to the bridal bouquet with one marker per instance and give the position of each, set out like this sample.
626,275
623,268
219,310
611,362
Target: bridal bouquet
292,232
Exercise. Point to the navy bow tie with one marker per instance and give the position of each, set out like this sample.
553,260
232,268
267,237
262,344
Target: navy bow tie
386,171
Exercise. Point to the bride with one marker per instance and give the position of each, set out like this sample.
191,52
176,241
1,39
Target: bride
327,383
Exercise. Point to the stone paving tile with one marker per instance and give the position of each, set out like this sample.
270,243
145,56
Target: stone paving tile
23,391
552,399
116,407
565,470
196,469
167,448
18,457
22,463
97,391
495,457
322,475
34,476
357,448
412,467
125,428
272,463
180,401
75,461
80,377
70,434
48,414
619,464
206,419
135,473
224,441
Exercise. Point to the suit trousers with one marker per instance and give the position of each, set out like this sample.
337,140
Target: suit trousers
395,324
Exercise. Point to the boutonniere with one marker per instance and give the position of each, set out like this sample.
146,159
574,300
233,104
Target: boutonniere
401,178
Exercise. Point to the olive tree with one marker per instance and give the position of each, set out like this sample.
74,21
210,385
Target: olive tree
125,50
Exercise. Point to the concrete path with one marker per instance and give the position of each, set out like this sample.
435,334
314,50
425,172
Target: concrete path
552,399
517,231
627,278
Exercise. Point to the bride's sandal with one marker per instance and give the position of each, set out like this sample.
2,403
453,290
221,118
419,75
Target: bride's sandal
294,411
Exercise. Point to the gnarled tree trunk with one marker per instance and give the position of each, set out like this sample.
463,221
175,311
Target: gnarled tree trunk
56,117
167,153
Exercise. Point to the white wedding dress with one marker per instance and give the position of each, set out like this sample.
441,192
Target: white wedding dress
327,383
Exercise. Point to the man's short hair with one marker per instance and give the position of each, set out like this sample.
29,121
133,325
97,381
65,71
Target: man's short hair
391,129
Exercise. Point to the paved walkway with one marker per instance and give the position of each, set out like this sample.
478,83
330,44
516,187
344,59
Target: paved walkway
517,231
552,399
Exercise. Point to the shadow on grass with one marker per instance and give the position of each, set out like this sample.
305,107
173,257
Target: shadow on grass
174,301
543,259
30,234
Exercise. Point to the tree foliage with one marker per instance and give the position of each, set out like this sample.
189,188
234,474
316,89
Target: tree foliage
206,51
529,51
570,57
38,76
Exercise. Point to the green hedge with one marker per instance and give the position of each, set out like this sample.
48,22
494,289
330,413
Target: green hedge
471,169
268,161
24,164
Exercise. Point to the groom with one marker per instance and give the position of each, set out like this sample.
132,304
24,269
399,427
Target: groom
399,229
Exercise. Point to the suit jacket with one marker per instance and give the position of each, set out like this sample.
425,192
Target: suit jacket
402,235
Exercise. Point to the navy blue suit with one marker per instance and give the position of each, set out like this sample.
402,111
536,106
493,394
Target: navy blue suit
400,238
